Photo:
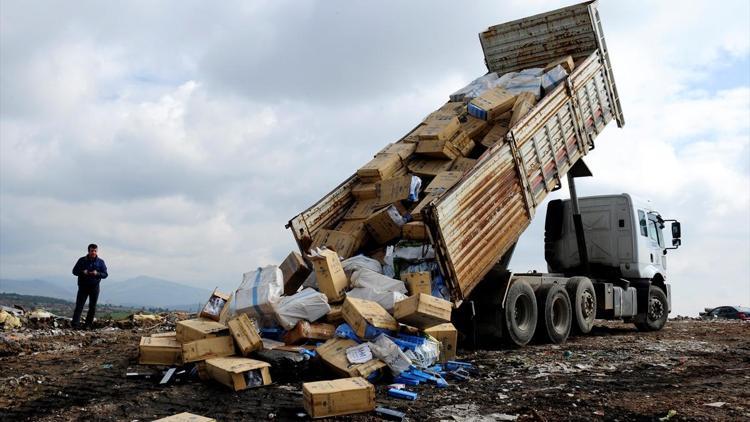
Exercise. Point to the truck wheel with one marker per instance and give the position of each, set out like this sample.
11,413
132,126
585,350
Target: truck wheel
554,324
520,314
583,300
657,313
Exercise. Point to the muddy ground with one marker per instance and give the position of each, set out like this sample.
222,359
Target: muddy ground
614,374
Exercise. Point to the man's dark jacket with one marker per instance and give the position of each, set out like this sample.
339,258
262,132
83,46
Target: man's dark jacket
86,263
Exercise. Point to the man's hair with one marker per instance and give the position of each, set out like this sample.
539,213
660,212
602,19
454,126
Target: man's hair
93,246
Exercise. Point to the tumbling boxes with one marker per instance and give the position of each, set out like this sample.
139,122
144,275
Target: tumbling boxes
422,311
338,397
491,104
447,335
239,373
199,328
217,307
245,335
367,318
385,225
332,280
439,126
207,348
381,167
295,271
420,282
414,230
309,331
159,351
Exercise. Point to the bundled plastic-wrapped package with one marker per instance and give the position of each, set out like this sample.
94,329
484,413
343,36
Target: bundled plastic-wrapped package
389,352
259,291
386,299
414,188
375,281
553,77
308,304
527,80
411,253
424,355
360,261
474,88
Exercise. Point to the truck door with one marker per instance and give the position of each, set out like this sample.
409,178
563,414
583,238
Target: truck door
656,243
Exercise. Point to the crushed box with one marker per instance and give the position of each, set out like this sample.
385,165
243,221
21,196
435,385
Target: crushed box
309,331
159,351
239,373
338,397
199,328
422,311
447,335
366,317
217,307
245,335
385,225
207,348
295,270
332,280
333,354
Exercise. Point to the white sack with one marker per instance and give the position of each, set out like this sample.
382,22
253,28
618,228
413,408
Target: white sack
258,292
389,352
307,304
384,299
377,282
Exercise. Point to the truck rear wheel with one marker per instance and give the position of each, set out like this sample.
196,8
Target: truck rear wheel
583,301
520,314
657,312
554,303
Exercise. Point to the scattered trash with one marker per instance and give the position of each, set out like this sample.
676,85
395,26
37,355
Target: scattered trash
402,394
715,404
669,415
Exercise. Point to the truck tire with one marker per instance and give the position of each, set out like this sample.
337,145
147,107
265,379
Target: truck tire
520,314
583,301
554,304
657,313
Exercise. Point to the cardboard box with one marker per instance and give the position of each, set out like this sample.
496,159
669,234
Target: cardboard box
239,373
309,331
346,244
496,134
385,225
199,328
402,149
440,126
159,351
338,397
423,311
361,314
185,417
207,348
172,334
380,168
566,62
447,335
414,230
473,126
392,190
419,282
444,181
454,108
363,191
361,209
524,102
330,274
463,144
416,212
333,354
295,270
217,307
245,334
491,104
463,164
335,316
428,167
443,149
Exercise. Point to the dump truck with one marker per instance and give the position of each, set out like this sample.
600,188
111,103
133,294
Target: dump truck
606,255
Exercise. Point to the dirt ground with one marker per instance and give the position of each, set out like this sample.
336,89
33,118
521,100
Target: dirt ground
614,374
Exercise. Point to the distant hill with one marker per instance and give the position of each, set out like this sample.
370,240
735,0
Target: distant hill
54,289
153,292
141,291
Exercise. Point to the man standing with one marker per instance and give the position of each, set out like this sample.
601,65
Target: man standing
90,270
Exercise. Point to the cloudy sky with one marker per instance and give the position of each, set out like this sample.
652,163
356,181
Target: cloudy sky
182,136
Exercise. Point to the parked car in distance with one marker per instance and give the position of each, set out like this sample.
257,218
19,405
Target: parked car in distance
727,312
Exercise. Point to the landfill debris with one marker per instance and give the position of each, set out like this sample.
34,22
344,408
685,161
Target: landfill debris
359,354
715,404
402,394
185,417
672,413
390,414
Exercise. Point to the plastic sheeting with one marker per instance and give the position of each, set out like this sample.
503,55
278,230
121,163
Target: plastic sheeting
376,281
475,88
307,304
258,293
386,299
389,352
553,77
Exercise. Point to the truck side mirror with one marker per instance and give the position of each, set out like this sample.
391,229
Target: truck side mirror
676,231
676,242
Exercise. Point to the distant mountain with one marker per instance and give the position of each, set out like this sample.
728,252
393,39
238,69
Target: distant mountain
54,289
152,292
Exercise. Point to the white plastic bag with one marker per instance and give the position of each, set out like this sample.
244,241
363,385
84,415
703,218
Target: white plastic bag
307,304
413,253
384,299
375,281
526,81
389,352
258,293
553,77
426,354
474,88
360,261
414,188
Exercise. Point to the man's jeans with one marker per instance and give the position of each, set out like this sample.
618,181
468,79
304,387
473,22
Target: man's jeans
92,294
